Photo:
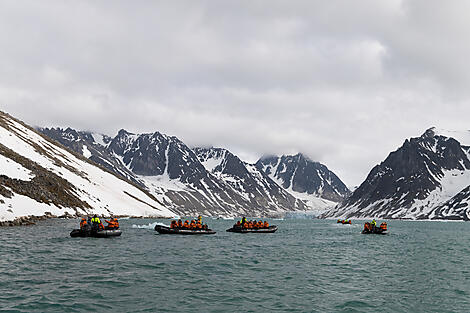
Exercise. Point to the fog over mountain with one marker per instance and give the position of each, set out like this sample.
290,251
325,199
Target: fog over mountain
341,81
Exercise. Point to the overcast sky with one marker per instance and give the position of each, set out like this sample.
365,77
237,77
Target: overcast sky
345,82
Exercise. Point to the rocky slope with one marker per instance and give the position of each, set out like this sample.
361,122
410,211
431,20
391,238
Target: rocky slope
40,177
426,178
175,175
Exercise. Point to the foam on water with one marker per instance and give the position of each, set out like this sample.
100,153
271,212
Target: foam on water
149,226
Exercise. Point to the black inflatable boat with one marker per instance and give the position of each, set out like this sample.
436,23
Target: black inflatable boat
375,230
370,229
105,233
180,231
235,229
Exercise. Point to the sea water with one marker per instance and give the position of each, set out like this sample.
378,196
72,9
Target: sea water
307,266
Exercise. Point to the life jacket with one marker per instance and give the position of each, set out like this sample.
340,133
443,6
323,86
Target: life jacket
83,223
245,225
367,226
173,224
383,226
198,225
180,223
266,225
186,224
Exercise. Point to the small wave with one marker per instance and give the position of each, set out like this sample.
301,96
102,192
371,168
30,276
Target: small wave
149,226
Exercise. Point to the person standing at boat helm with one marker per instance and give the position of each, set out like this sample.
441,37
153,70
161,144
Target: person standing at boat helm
95,221
373,223
199,219
243,221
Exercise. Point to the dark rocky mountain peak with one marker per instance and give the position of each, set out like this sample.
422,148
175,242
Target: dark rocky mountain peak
411,180
300,174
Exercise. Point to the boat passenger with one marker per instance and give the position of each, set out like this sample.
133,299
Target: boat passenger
112,223
266,224
96,223
186,224
238,224
193,224
198,225
260,224
205,227
180,223
373,223
173,224
83,223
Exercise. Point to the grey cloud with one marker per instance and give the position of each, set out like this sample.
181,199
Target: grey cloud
342,81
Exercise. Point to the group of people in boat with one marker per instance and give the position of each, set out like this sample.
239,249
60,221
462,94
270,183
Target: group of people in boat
193,225
243,223
95,223
370,226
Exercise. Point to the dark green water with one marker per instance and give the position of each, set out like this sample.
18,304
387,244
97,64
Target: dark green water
307,266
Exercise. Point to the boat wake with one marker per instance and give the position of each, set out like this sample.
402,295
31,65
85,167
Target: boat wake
149,226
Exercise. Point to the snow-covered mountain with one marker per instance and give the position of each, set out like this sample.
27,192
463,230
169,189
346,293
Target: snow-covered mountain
310,181
175,175
428,177
246,179
40,177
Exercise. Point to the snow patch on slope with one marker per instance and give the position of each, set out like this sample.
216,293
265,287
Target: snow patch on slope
14,170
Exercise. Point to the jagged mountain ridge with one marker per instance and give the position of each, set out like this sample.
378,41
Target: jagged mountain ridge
172,172
299,174
422,179
246,179
40,177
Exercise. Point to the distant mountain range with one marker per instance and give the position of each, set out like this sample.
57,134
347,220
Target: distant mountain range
428,177
209,181
65,172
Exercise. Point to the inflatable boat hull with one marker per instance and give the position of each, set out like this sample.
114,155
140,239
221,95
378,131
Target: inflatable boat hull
173,231
97,234
377,230
270,229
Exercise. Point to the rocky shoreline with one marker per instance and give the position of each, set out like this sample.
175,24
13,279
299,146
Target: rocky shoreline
32,219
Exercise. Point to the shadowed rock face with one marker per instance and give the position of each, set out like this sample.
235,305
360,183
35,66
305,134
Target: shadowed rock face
305,176
231,188
408,175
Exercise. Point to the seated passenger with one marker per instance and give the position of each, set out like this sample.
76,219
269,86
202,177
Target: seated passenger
205,227
260,224
193,224
266,224
173,224
186,224
180,223
198,225
112,224
83,223
245,225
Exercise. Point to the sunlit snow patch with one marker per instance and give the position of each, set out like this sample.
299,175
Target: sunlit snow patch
14,170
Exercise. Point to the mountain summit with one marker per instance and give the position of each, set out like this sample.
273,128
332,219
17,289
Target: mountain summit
415,182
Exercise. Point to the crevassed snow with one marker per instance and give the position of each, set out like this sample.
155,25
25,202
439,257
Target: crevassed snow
86,153
14,170
104,192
